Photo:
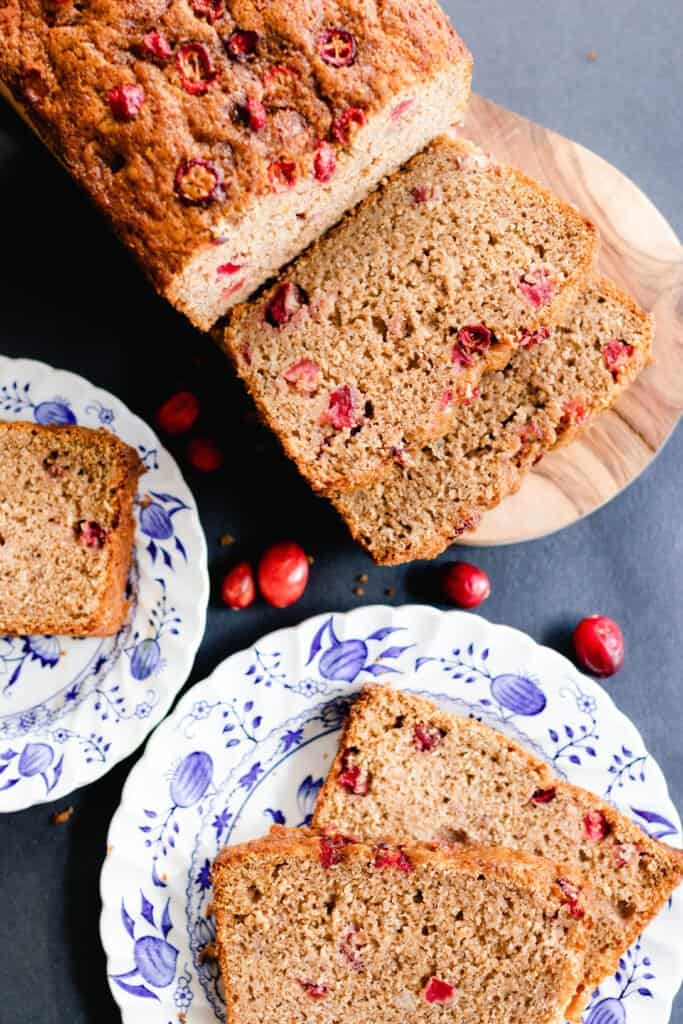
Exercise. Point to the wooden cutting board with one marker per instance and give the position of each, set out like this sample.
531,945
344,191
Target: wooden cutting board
641,252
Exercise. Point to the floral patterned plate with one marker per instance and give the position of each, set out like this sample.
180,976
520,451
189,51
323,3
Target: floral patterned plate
71,708
251,745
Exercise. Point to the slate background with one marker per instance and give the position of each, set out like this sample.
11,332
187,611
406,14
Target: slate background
69,296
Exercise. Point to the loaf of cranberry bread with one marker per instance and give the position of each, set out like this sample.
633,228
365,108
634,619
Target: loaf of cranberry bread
66,529
408,770
316,927
222,136
554,386
368,343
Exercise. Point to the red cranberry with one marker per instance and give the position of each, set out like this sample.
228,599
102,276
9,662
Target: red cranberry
599,645
422,194
304,376
438,991
198,182
337,47
530,432
195,68
572,894
238,589
595,826
255,114
242,45
283,574
282,175
287,299
466,585
314,991
91,534
212,10
125,101
352,778
529,339
616,356
402,108
624,855
574,412
537,287
543,796
179,413
472,340
324,162
331,847
228,269
349,948
204,454
394,859
426,737
342,412
157,46
345,124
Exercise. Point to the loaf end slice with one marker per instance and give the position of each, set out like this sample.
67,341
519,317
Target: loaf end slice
318,927
551,391
66,529
408,770
368,345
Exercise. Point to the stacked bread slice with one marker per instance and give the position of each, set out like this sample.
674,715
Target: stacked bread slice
424,353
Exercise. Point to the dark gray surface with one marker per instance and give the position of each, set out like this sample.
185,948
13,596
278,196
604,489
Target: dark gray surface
68,296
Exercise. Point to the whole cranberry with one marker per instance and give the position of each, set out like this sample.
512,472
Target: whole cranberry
179,413
238,589
599,645
466,585
204,454
283,574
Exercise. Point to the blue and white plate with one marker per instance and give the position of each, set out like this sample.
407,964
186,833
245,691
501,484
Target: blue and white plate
251,745
71,708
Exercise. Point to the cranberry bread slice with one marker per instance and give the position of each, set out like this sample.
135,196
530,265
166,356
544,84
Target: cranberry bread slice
553,388
66,529
408,770
318,928
369,342
221,137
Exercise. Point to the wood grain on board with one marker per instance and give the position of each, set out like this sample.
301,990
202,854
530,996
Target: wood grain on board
640,252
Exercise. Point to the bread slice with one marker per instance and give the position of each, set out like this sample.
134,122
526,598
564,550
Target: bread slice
408,770
369,342
66,529
221,137
551,390
320,928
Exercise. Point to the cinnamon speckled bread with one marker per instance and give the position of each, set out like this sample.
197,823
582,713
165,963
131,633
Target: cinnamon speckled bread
405,769
221,136
368,343
316,928
66,529
548,393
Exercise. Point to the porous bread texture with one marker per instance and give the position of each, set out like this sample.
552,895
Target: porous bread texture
420,774
545,397
311,928
293,111
66,529
368,343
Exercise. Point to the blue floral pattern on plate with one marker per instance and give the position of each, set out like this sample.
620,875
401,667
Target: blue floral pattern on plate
71,708
251,746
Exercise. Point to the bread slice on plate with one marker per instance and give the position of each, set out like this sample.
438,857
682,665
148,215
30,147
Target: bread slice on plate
318,928
66,529
366,346
408,770
553,388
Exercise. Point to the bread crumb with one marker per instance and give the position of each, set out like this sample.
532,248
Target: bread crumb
61,817
358,591
226,540
146,501
363,578
592,56
208,952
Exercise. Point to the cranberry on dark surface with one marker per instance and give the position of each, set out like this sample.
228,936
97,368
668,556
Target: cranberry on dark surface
204,454
283,574
342,411
255,114
238,589
438,991
125,101
198,182
543,796
466,585
595,826
286,300
195,68
179,413
616,356
599,645
282,175
347,123
337,47
324,162
426,737
212,10
156,45
388,858
91,534
242,44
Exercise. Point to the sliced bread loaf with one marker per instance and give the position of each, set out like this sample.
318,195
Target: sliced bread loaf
552,388
66,529
317,928
369,342
406,769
